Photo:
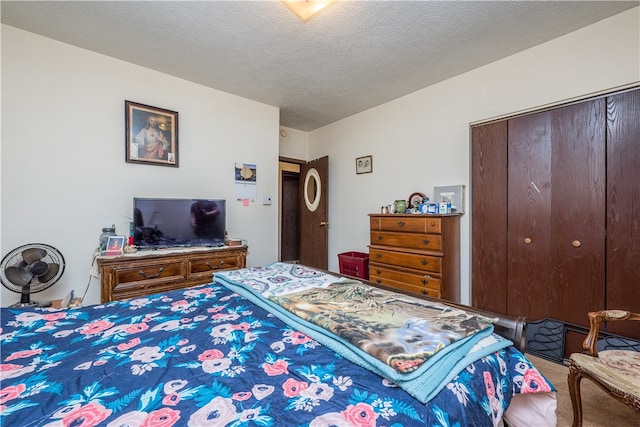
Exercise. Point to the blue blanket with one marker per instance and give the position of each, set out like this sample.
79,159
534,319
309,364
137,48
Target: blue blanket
423,383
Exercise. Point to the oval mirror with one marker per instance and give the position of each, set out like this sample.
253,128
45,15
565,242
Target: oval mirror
312,189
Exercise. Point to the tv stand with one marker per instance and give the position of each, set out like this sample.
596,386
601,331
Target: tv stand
155,271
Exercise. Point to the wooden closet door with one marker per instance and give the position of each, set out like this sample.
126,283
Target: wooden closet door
489,217
529,216
623,202
556,213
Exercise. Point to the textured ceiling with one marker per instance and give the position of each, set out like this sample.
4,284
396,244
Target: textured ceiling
351,57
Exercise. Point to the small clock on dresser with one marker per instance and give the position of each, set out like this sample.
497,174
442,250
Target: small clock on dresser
416,198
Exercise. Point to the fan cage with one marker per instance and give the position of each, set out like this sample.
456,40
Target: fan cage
14,257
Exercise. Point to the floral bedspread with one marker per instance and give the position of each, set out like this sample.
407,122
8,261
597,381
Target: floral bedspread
206,356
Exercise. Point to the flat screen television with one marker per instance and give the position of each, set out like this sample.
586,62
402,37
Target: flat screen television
166,223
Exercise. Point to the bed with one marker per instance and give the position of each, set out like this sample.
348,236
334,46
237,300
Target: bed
264,346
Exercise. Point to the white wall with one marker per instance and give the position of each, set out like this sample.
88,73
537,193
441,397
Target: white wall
64,176
294,144
63,170
422,140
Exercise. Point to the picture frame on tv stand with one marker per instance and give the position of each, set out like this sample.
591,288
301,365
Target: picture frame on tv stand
115,246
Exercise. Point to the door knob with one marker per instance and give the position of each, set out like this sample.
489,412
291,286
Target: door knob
576,243
527,240
323,223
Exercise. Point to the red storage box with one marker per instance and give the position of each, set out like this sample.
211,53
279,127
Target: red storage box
354,264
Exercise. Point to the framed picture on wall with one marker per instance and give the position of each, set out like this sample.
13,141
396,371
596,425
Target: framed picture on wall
151,135
364,164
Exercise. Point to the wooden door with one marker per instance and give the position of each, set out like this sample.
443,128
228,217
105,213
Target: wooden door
623,207
489,217
529,291
556,212
314,223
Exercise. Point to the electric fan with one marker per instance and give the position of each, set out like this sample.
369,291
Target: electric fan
31,268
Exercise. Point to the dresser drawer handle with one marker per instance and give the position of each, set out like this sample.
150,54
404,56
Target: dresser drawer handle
424,292
425,281
400,223
380,237
424,262
215,267
378,272
378,281
152,276
378,256
426,241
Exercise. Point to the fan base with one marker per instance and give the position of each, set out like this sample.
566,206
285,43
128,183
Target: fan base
31,304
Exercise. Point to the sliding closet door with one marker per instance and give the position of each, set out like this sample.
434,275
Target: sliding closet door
530,291
556,212
489,217
623,198
579,208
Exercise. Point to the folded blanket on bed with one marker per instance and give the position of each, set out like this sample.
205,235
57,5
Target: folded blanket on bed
419,345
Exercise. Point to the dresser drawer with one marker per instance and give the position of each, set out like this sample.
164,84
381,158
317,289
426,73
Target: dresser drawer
130,290
418,290
141,279
209,265
406,259
425,242
425,280
407,224
160,271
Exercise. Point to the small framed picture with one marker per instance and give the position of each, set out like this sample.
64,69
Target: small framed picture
115,246
453,194
364,164
151,135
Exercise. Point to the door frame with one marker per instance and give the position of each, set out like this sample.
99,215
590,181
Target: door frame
292,167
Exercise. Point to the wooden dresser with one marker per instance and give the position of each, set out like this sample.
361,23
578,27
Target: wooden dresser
417,253
146,273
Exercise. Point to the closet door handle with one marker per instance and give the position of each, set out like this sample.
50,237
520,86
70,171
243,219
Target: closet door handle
576,243
151,276
527,240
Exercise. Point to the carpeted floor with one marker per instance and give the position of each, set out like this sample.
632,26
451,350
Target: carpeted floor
599,409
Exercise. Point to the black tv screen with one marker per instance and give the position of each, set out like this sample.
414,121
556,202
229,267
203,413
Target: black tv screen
165,223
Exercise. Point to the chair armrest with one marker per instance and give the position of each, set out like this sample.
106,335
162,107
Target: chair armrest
590,343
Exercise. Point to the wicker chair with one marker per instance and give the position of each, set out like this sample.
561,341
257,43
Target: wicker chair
617,372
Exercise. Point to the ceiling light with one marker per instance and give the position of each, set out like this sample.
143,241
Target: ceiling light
306,9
